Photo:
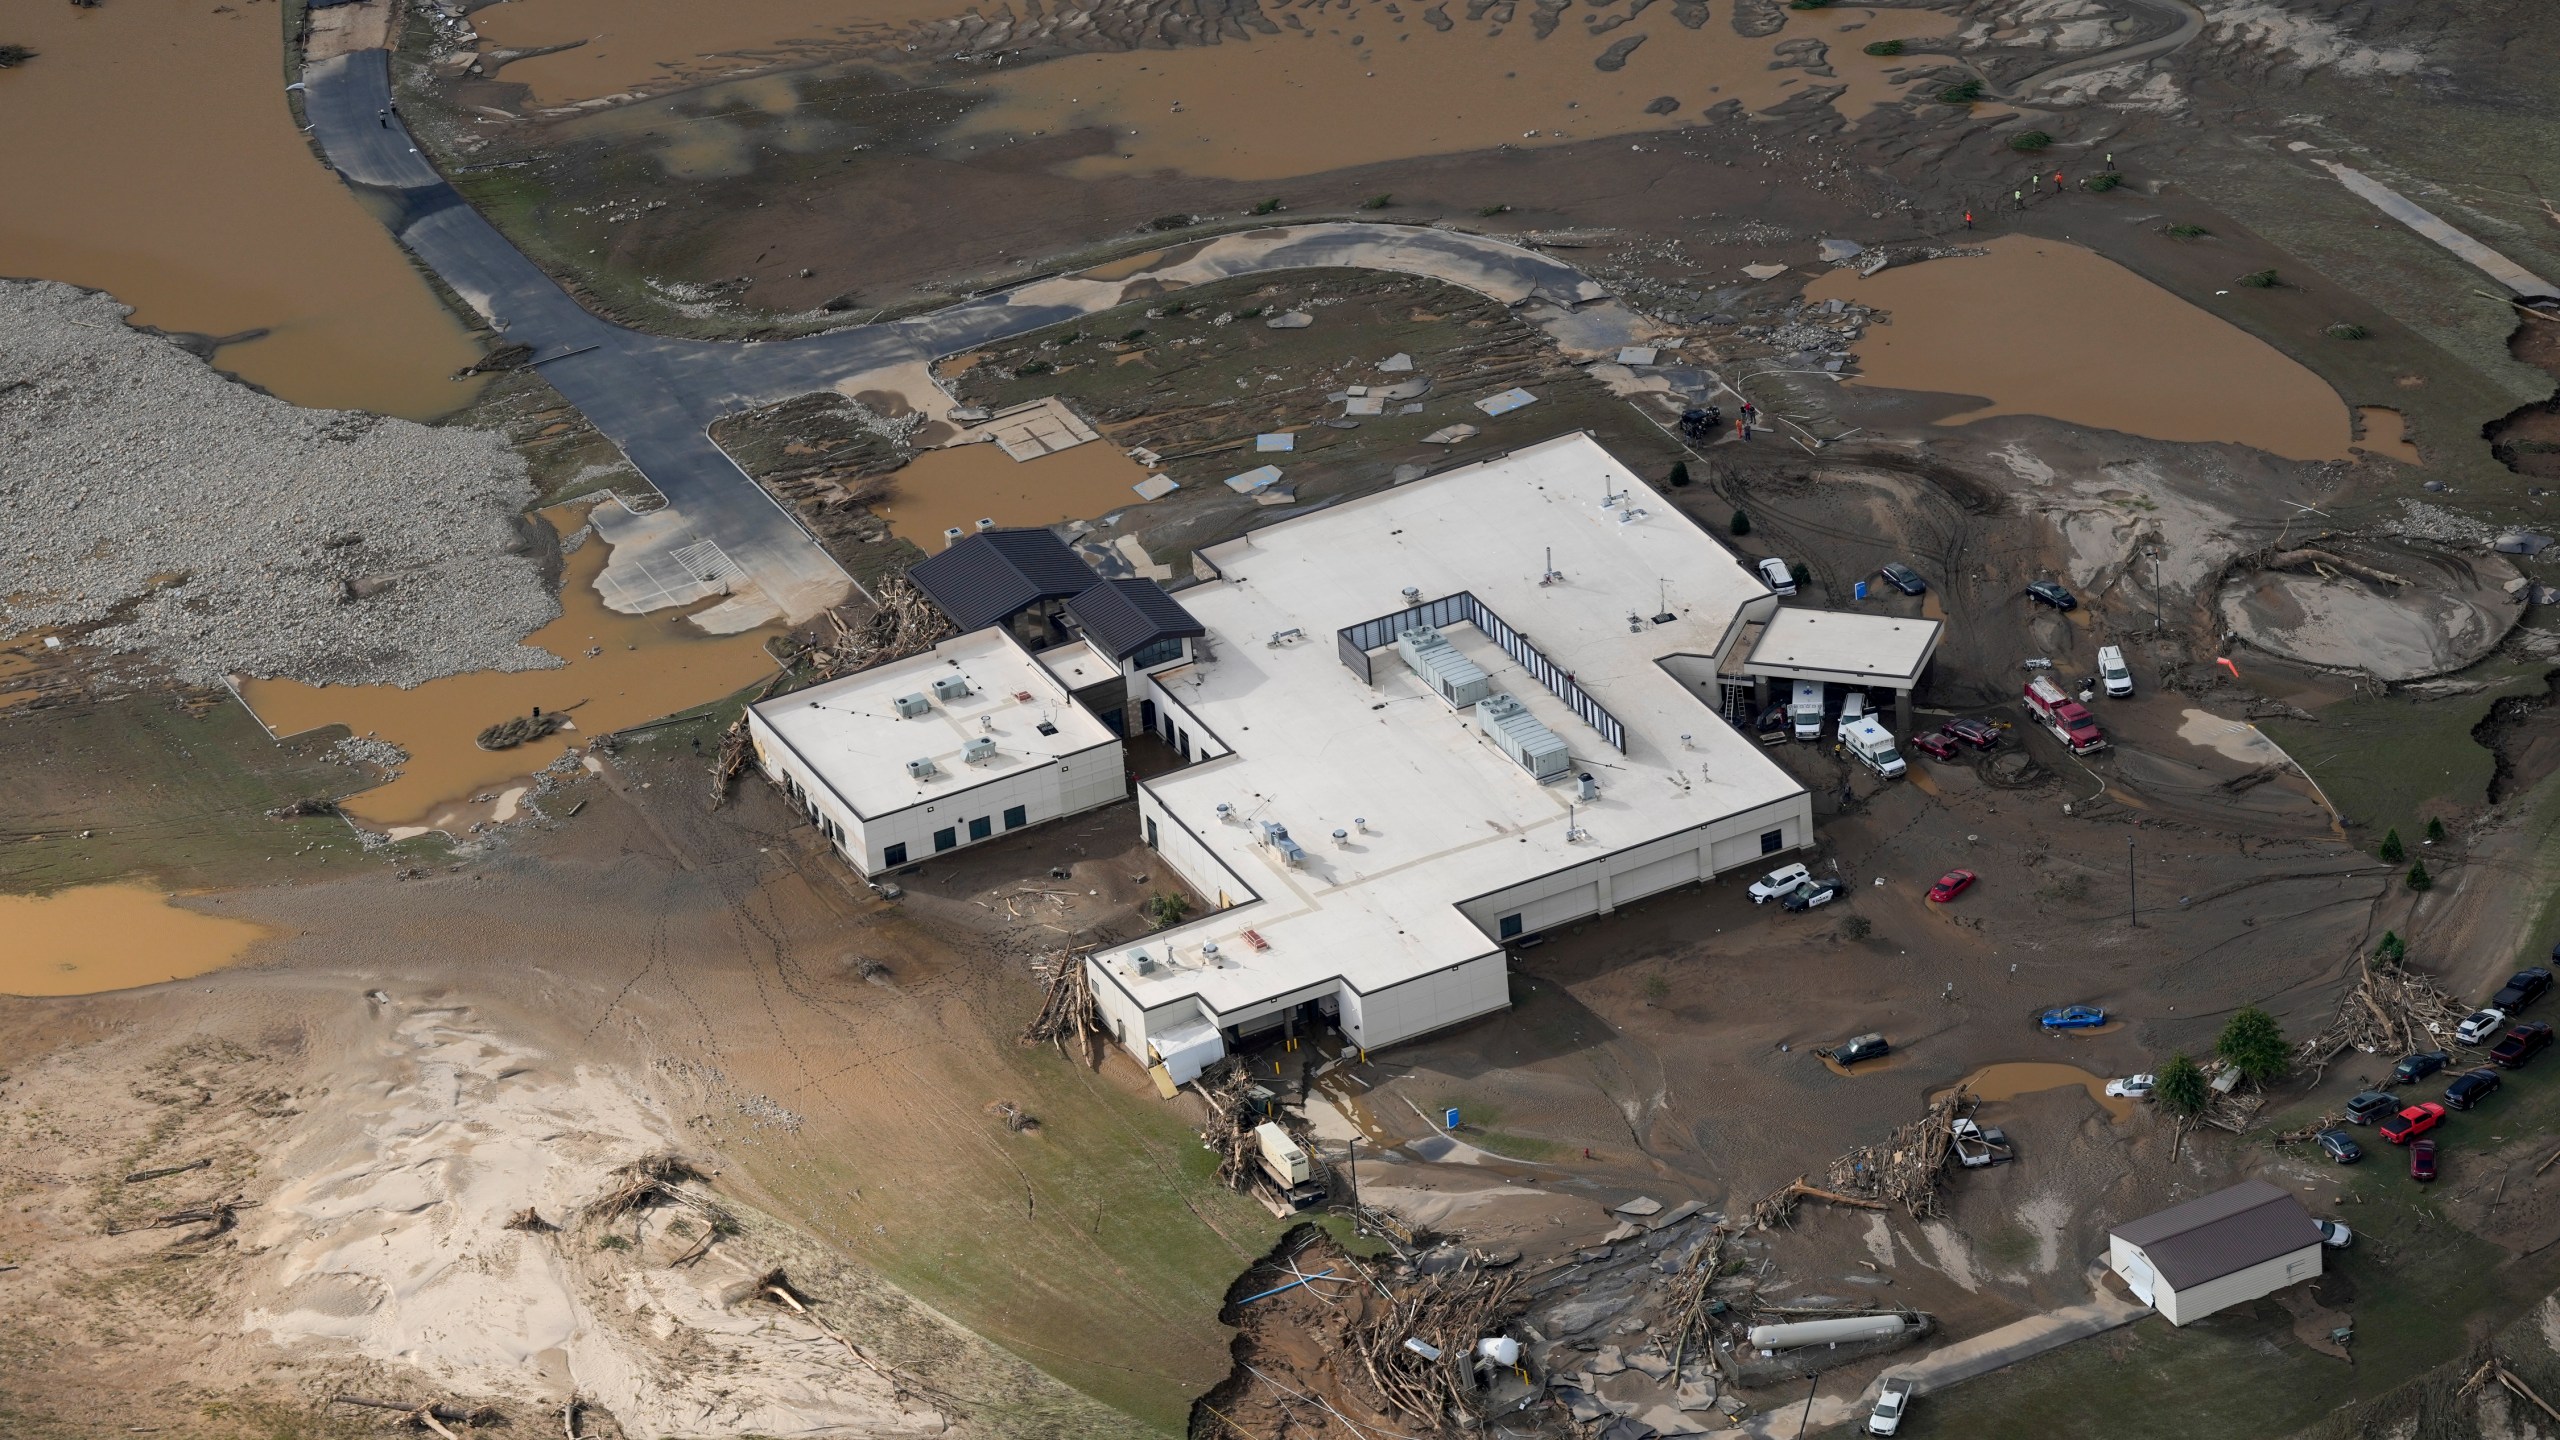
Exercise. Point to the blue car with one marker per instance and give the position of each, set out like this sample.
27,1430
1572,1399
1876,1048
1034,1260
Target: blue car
2073,1017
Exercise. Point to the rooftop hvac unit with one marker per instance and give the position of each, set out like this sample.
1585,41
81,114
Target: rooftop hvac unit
951,687
1452,676
979,750
912,706
1276,835
1521,737
920,769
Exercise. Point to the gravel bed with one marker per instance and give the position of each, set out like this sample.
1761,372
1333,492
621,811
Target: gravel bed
220,530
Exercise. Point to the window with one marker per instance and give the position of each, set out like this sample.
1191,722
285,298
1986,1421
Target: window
944,839
1772,841
1157,653
894,856
1510,927
1015,817
982,827
1151,833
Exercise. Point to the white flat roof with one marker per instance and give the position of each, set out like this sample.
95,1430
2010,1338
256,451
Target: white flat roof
849,732
1448,816
1843,646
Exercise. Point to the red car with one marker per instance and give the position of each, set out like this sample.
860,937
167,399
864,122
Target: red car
2422,1161
1951,885
1936,744
1980,734
2411,1123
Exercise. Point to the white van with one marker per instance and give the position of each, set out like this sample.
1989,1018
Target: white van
1775,574
1871,745
2112,670
1806,711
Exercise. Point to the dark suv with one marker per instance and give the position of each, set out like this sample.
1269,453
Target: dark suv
2522,1043
1903,578
2371,1105
2471,1087
2527,987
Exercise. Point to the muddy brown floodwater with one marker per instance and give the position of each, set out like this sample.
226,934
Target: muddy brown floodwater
643,667
963,484
2386,433
621,46
150,154
2043,327
1364,87
2027,1077
110,937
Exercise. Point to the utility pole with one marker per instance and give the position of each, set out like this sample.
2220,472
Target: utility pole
1807,1417
2132,904
2157,623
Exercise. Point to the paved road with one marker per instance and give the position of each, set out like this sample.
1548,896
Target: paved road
655,397
2417,217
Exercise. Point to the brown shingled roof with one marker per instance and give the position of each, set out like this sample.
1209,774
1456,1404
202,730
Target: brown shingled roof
2221,1233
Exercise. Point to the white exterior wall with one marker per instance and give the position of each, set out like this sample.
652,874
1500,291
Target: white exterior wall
1434,1002
1162,686
2180,1307
1047,791
1190,859
1609,881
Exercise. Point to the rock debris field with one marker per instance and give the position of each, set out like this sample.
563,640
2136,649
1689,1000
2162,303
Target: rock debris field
161,508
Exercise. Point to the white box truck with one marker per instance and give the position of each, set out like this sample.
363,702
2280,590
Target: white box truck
1872,745
1806,711
2111,669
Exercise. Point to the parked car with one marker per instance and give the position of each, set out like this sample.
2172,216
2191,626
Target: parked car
2073,1017
1951,885
1863,1047
1980,734
2528,986
1779,882
2371,1105
2340,1146
2522,1043
2113,673
2471,1087
1775,574
2050,592
2131,1087
2411,1123
1907,580
1812,893
2415,1068
2422,1162
1936,744
2478,1026
1886,1418
2334,1234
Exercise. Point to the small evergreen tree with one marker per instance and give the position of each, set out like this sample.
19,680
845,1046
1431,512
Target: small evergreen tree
1741,523
2392,851
1856,927
2254,1044
2435,831
1679,473
2181,1085
1803,577
1167,910
2419,879
2392,949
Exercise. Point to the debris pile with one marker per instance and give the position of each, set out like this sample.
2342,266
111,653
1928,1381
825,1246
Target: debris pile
1445,1313
2391,1010
1067,1008
1905,1168
522,730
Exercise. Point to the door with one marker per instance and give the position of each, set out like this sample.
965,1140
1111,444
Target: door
2136,1271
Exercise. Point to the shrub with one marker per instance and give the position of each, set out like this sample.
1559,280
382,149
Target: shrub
1807,4
1741,523
2419,879
1657,988
1268,207
2186,232
1884,47
1170,222
2435,831
2181,1085
2254,1044
1131,337
2391,850
1679,475
2348,330
2261,280
2029,142
1803,577
1036,367
14,55
1250,313
2391,949
1492,210
2102,182
1856,927
612,1242
1167,910
1963,92
1377,202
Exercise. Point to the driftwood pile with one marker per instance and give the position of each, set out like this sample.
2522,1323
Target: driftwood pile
1905,1168
1688,1306
654,1180
1229,1125
1448,1311
522,730
2391,1010
1067,1008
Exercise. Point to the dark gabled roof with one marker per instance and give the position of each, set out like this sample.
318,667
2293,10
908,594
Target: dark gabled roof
993,574
1122,617
2222,1233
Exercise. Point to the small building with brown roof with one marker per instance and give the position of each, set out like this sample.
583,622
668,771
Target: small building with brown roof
2218,1251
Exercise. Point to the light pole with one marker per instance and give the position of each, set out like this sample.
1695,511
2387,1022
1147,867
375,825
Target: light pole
2131,903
